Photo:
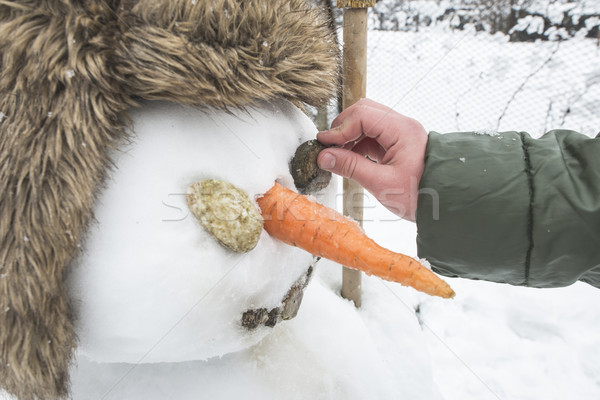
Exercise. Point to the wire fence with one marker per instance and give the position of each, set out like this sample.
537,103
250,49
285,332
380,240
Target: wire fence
475,65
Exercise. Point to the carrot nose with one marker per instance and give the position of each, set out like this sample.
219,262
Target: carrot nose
298,221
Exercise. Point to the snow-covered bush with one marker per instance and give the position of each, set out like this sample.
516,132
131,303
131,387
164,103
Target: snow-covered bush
522,20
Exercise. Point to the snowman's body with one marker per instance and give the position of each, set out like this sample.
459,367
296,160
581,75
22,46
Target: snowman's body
152,285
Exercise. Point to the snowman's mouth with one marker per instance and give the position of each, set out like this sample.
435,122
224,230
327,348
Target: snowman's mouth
254,318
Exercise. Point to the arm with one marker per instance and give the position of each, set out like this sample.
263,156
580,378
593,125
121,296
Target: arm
511,208
505,208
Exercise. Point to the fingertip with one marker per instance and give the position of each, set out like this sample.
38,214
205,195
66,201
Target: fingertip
326,138
326,160
336,135
321,134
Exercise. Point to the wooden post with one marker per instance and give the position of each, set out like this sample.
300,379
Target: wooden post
354,88
321,121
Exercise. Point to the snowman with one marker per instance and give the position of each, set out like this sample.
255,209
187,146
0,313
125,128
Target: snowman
109,113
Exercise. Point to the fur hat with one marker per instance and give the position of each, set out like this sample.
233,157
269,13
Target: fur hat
69,72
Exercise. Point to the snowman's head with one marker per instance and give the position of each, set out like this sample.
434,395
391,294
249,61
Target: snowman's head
154,284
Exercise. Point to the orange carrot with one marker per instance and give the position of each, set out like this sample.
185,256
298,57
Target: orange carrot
298,221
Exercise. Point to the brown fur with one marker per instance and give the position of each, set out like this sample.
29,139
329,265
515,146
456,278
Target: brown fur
70,70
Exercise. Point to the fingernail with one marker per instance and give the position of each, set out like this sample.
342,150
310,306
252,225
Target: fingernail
327,161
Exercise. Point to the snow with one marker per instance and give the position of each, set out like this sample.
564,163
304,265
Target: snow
487,132
158,311
305,358
592,22
494,341
499,341
530,24
555,9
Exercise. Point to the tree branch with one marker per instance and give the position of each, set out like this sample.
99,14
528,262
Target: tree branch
520,88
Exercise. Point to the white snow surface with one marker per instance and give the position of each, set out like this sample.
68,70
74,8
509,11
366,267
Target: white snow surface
530,24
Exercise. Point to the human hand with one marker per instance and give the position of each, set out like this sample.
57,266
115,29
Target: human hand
396,143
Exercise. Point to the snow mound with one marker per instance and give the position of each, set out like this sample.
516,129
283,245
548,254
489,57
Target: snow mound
330,350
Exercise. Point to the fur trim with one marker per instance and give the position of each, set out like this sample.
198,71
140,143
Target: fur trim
250,51
70,70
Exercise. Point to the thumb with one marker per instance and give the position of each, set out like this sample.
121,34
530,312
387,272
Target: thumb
350,165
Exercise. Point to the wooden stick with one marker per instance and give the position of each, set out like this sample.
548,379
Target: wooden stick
353,207
355,3
354,88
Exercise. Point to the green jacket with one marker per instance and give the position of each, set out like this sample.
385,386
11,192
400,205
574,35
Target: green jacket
509,208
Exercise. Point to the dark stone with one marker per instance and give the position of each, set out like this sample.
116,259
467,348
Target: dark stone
274,317
291,303
308,177
253,318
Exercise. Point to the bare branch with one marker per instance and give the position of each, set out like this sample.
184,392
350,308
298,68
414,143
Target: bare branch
522,85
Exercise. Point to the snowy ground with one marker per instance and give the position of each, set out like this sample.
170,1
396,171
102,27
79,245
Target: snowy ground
498,341
492,341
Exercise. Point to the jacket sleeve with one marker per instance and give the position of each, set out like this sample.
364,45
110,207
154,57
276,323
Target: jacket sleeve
509,208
